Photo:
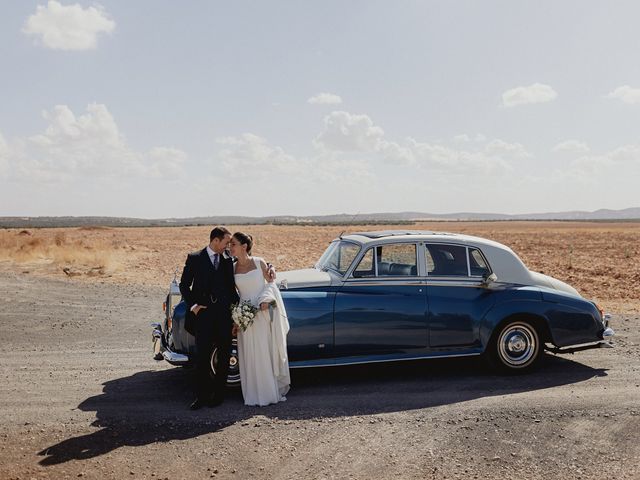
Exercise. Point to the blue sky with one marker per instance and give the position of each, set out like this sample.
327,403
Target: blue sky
159,109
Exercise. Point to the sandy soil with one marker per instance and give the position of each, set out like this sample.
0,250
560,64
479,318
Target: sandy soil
599,259
81,396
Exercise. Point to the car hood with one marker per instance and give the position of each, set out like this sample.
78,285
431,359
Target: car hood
543,280
308,277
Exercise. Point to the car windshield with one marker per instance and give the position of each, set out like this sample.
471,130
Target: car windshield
338,256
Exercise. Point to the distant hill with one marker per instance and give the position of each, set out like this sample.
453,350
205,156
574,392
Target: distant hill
627,214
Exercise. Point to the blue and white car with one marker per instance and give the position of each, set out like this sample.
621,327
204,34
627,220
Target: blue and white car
405,295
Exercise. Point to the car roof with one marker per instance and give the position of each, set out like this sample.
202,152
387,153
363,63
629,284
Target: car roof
425,235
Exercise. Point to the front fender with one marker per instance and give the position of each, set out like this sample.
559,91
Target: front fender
183,341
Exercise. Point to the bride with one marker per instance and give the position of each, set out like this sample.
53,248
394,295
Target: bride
262,348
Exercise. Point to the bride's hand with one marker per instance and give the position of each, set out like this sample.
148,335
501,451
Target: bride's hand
264,306
271,273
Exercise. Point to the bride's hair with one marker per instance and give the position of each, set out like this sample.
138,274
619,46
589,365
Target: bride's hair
244,239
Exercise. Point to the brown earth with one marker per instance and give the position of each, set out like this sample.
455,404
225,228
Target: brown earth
82,398
599,259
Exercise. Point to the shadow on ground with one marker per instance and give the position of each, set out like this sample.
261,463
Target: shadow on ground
151,406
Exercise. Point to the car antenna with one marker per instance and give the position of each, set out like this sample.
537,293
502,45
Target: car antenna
350,221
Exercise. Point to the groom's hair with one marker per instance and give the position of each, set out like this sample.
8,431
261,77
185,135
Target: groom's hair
219,233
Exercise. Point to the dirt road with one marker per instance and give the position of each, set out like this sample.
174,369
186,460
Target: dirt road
81,397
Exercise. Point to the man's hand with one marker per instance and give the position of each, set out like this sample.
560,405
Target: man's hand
271,272
234,330
196,309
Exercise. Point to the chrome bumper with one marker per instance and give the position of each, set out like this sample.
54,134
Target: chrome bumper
175,358
606,335
162,351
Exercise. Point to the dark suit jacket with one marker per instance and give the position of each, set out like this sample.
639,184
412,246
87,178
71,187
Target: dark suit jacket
201,284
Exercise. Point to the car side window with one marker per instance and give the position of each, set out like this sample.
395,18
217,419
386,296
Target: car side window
365,268
397,259
430,263
448,260
477,263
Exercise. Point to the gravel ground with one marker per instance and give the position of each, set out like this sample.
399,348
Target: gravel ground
82,397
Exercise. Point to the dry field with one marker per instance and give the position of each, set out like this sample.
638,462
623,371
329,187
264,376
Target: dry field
599,259
82,397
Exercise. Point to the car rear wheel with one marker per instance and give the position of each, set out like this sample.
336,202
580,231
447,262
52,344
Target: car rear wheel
233,378
515,347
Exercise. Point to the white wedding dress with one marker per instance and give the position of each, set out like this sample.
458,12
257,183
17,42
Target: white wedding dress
262,348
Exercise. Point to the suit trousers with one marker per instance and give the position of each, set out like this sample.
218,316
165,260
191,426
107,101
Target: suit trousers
213,329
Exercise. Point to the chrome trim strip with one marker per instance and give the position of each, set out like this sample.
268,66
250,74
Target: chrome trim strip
466,252
356,362
402,281
390,282
442,283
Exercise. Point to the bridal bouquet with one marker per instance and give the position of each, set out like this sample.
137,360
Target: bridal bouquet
243,314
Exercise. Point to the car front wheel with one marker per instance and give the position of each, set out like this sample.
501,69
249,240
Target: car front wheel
515,347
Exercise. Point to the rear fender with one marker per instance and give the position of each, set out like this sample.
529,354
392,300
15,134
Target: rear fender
530,310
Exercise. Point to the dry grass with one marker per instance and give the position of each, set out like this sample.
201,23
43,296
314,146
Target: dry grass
599,259
47,251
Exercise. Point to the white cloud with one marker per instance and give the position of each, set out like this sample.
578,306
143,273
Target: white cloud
253,158
165,162
335,170
68,27
88,146
536,93
349,132
462,138
445,160
397,154
572,146
511,150
604,169
626,94
441,157
629,154
325,99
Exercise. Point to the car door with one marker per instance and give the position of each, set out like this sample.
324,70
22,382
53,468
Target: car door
381,307
456,297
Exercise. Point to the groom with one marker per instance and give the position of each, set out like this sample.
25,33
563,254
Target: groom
208,288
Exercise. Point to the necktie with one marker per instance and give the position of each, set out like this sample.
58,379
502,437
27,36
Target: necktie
215,261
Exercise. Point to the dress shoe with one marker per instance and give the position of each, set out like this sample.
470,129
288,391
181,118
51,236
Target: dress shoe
196,404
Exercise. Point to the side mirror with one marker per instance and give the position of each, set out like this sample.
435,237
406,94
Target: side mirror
489,279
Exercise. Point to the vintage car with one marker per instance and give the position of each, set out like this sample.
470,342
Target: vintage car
406,295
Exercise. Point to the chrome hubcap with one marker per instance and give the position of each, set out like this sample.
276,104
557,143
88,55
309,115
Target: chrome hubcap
518,345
